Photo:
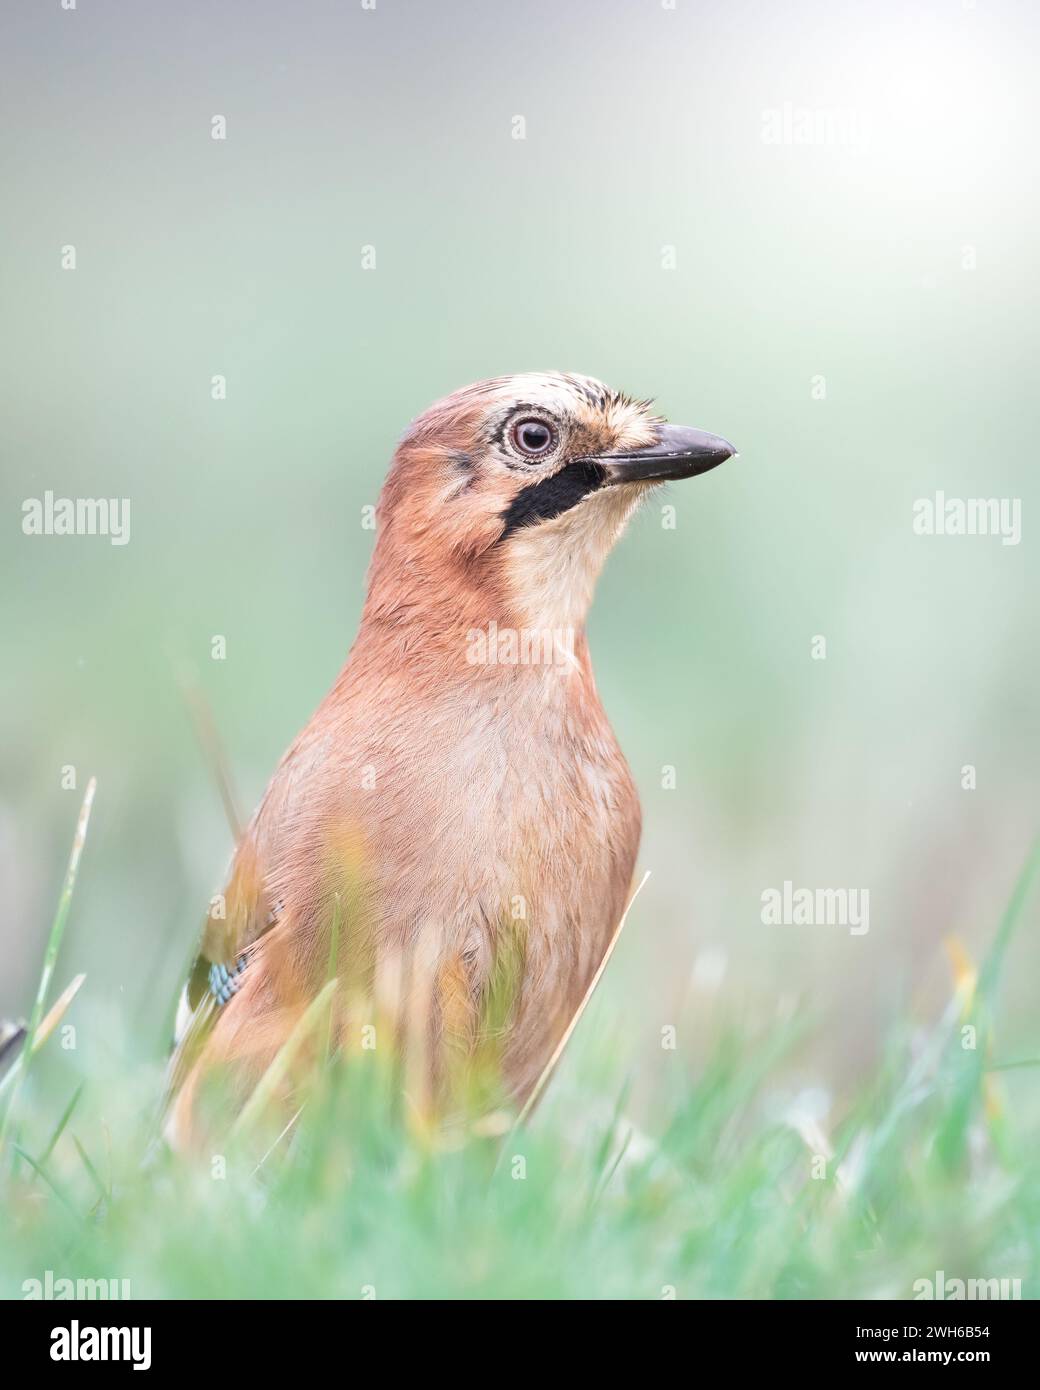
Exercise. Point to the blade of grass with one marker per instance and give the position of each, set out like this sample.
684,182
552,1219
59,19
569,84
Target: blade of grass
284,1058
333,973
57,1011
277,1141
60,1127
54,1016
42,1172
205,728
609,1174
51,956
602,1153
94,1174
550,1066
952,1137
995,956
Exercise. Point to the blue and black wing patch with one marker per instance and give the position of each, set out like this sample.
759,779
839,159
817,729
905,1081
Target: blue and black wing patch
224,983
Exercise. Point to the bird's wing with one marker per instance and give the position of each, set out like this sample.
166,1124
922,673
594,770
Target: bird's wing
237,920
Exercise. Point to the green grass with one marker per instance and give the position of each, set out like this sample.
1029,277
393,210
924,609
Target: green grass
930,1168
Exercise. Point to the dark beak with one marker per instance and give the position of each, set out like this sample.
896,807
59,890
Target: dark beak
679,452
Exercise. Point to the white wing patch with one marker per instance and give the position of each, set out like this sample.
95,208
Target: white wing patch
184,1016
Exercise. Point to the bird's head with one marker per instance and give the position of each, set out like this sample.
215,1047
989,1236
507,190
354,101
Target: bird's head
505,498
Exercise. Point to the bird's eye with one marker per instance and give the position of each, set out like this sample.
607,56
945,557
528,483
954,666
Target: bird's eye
533,438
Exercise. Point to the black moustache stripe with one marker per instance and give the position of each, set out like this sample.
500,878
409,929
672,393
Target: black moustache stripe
552,496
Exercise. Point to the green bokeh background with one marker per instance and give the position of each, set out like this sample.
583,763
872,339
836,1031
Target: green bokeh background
644,130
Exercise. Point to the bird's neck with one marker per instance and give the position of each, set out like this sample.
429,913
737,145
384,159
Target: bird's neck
542,580
468,641
472,638
501,614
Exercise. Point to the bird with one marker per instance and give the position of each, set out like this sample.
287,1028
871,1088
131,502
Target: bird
458,798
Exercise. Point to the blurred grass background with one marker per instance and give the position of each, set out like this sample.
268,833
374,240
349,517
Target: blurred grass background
644,130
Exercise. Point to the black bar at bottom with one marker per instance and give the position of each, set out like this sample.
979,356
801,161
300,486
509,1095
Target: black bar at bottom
233,1338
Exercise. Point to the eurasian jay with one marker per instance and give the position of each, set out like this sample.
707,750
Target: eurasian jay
460,780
